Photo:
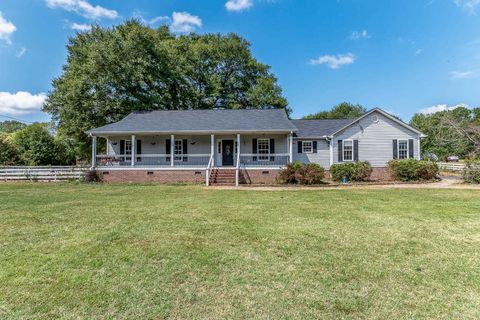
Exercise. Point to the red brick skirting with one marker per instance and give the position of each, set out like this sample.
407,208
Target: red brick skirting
247,176
161,176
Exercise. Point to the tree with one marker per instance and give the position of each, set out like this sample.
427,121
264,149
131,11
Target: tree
111,72
9,153
38,146
11,126
344,110
452,132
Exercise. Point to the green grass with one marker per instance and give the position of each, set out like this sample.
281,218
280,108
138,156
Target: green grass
128,252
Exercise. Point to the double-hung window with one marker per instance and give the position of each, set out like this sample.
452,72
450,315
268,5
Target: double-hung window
307,146
263,149
402,149
348,150
178,150
128,149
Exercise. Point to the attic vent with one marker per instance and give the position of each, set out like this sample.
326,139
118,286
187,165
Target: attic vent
375,119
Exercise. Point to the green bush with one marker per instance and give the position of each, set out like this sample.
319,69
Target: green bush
352,171
471,173
413,170
301,173
311,173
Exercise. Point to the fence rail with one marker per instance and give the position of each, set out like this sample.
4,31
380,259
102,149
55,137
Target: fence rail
451,166
42,173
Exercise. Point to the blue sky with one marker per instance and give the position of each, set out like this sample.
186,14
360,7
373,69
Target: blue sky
402,56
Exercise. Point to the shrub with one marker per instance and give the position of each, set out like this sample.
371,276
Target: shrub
413,170
352,171
311,173
301,173
471,173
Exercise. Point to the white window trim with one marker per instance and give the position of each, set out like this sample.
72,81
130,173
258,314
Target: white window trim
303,147
343,151
178,155
267,155
398,148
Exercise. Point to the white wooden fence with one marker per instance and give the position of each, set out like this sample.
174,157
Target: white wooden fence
41,173
451,166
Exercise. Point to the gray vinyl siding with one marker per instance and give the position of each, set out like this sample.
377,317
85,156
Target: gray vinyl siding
322,157
375,140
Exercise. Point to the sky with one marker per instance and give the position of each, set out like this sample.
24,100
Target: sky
402,56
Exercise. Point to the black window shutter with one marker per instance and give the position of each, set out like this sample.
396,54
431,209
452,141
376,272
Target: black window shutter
254,148
168,149
395,152
139,149
314,146
185,149
122,147
355,150
410,148
340,151
272,149
299,146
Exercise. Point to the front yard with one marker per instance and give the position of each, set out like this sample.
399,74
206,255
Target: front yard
129,252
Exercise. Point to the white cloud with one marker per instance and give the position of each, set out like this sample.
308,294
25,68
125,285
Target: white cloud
334,62
441,107
357,35
6,29
80,26
21,52
419,51
469,5
83,8
461,74
184,22
21,102
138,15
238,5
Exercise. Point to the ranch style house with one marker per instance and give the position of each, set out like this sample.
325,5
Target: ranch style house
243,146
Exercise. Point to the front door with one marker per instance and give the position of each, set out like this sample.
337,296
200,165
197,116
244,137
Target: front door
227,152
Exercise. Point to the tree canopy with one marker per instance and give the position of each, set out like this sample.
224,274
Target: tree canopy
344,110
11,126
452,132
111,72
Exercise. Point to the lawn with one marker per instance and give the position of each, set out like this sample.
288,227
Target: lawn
130,251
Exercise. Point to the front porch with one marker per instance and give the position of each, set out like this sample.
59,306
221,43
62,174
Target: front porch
199,152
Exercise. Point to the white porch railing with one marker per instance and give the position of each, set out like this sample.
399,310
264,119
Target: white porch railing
153,160
264,160
209,168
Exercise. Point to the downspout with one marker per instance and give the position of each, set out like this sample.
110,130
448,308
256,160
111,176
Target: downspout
330,142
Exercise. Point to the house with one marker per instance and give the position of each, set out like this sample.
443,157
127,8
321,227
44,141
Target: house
243,146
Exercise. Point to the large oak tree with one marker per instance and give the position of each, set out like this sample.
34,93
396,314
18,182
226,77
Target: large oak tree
111,72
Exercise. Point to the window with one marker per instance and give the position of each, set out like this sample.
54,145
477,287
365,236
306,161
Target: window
263,147
348,150
128,149
178,150
307,147
402,149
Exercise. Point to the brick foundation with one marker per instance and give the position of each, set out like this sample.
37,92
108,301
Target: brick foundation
160,176
262,176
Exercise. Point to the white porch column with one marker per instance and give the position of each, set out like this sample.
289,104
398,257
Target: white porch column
212,148
290,151
107,149
331,151
94,151
172,150
237,171
134,149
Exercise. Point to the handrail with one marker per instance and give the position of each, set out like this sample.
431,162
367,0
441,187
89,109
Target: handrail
207,173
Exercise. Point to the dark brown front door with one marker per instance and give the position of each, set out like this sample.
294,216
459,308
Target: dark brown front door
227,152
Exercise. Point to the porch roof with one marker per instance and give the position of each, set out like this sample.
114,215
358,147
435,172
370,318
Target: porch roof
200,121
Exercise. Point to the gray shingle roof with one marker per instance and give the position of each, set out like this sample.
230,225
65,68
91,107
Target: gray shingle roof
319,128
271,120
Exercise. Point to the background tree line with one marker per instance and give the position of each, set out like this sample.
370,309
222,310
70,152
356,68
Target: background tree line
34,144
